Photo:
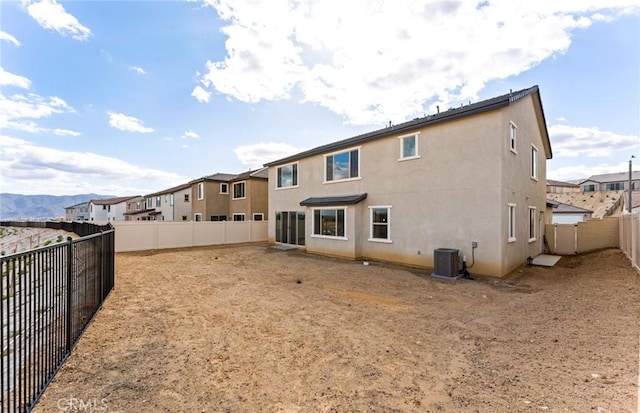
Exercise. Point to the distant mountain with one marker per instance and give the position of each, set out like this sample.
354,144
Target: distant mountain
39,207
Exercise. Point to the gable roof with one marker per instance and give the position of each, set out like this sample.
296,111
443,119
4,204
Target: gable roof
171,190
614,177
262,173
112,201
449,115
551,182
562,208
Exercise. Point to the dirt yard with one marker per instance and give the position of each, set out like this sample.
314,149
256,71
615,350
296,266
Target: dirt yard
254,329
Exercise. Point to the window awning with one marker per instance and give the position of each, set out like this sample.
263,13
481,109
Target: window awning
333,200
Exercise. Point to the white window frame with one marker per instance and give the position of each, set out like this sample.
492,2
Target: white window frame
171,200
534,162
295,175
200,190
511,223
333,154
513,137
224,188
196,215
532,224
233,188
258,214
388,223
313,223
238,214
402,138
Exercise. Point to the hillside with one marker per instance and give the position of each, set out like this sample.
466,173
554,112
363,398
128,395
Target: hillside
39,207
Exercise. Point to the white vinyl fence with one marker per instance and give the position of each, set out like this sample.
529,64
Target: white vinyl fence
630,237
153,235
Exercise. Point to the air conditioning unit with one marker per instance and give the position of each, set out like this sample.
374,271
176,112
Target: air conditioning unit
446,263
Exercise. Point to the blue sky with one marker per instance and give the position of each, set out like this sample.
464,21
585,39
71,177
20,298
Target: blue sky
126,98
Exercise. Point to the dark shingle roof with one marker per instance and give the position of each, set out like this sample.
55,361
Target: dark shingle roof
171,190
451,114
333,200
112,201
561,183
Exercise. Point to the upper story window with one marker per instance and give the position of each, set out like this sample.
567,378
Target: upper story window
149,203
238,190
158,201
224,188
513,135
171,199
186,197
138,205
340,166
534,162
201,190
287,176
409,147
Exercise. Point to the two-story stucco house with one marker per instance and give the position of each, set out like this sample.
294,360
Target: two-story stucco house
111,209
78,212
474,175
170,204
222,197
611,182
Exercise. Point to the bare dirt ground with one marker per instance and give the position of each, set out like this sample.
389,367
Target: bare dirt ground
252,329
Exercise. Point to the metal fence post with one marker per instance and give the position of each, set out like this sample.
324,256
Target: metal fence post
68,317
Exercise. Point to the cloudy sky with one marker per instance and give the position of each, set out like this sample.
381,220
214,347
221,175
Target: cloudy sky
132,97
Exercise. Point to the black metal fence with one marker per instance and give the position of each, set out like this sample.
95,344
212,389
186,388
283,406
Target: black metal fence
49,296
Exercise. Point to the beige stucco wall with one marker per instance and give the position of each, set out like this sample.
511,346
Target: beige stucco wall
456,192
213,202
255,201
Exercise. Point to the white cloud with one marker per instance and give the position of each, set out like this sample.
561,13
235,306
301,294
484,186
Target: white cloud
201,95
582,171
190,135
561,119
259,154
6,36
127,123
378,61
17,112
575,141
138,70
52,16
10,79
29,168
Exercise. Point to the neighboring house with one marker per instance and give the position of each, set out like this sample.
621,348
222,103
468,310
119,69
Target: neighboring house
78,212
618,181
209,197
249,196
137,209
474,174
170,204
111,209
222,197
568,214
559,187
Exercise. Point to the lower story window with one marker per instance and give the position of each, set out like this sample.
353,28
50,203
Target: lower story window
329,222
218,217
379,219
238,217
512,223
197,217
258,217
